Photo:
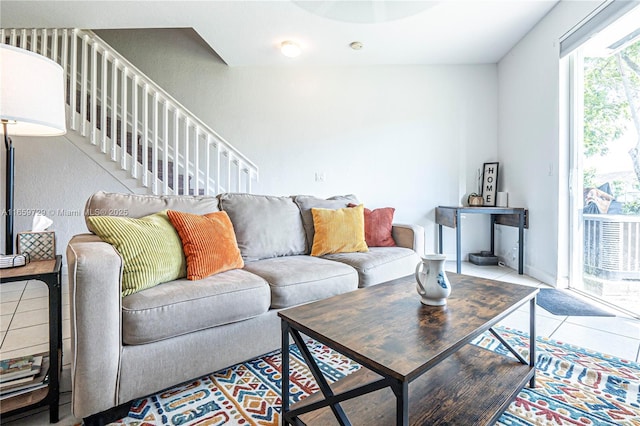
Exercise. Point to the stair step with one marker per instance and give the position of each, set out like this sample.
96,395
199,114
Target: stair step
129,144
192,192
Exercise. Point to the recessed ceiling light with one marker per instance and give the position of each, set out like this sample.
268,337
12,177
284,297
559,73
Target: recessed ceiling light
290,49
356,45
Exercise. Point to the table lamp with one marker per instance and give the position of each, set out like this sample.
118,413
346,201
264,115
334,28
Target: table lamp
31,104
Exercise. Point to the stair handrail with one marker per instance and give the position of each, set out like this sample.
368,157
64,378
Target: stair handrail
150,88
161,92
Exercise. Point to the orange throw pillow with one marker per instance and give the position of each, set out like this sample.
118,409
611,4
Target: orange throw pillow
208,241
377,226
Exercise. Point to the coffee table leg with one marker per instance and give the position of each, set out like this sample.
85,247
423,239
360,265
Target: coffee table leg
285,371
401,390
532,340
322,383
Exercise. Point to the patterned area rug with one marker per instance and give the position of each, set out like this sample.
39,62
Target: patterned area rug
575,386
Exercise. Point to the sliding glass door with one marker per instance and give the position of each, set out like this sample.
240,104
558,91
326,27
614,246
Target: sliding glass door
606,165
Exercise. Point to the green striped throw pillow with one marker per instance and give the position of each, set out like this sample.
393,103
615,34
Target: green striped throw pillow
150,248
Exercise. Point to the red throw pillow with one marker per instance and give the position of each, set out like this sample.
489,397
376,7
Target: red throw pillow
377,226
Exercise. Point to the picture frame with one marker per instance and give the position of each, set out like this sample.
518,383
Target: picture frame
489,183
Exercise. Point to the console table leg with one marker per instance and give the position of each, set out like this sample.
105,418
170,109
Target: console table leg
439,238
521,244
458,241
493,233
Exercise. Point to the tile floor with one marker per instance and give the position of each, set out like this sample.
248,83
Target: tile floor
24,329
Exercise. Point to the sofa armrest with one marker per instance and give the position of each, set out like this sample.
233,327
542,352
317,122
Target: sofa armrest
409,236
95,273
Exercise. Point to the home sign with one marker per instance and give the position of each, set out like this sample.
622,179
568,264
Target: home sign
489,184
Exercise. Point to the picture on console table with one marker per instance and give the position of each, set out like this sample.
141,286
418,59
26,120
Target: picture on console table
489,184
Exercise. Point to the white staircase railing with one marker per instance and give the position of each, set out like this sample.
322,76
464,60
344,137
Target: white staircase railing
133,121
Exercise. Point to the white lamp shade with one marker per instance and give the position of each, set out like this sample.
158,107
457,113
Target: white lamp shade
31,93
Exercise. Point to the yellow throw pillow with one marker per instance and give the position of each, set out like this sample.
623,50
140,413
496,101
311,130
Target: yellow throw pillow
338,231
150,248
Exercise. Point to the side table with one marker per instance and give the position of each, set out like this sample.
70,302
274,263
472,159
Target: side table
49,272
511,216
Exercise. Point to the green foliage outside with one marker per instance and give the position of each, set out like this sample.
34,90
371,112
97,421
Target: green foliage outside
611,108
631,208
589,178
617,188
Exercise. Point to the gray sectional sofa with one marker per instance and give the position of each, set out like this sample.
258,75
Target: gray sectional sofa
124,348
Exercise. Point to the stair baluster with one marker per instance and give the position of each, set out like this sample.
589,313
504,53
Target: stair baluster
162,142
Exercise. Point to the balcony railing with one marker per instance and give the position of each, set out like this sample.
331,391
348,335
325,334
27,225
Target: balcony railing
612,246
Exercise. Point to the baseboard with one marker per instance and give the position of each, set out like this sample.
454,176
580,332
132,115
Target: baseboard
541,275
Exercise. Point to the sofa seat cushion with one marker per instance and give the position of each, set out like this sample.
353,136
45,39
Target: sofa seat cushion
302,279
379,264
180,307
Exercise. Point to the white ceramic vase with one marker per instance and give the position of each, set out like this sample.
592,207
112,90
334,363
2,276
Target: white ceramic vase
432,282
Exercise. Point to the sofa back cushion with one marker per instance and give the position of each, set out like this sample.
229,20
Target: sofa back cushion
265,226
136,206
307,202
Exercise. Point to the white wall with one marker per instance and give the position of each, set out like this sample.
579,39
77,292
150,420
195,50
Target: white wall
53,177
406,136
531,149
410,137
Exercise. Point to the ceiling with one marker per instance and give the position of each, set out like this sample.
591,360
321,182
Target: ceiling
248,33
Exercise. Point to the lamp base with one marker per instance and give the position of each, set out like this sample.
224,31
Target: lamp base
10,164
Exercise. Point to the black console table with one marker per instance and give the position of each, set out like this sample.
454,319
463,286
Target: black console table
511,216
49,272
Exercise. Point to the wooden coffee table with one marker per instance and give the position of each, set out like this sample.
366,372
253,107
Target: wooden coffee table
419,366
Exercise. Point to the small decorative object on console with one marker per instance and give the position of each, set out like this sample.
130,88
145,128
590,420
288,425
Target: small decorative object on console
490,183
475,200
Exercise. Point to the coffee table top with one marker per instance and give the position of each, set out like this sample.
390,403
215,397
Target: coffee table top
387,329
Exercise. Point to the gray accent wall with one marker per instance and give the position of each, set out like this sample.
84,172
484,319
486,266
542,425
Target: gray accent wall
55,178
